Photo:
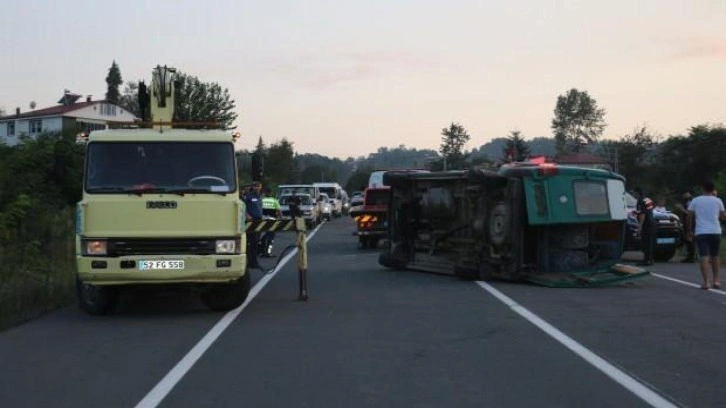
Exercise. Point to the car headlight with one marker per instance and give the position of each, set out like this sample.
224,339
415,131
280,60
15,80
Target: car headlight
95,247
226,246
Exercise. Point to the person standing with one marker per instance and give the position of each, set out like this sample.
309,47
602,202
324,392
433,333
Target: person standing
253,203
646,226
708,211
683,207
270,208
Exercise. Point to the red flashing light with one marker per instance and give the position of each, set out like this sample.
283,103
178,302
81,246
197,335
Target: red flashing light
548,169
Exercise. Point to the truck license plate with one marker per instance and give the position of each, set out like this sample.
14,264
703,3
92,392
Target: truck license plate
666,240
165,264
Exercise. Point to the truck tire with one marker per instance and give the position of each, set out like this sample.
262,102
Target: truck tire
499,220
95,299
222,297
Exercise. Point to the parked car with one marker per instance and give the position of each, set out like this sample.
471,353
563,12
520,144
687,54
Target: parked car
668,236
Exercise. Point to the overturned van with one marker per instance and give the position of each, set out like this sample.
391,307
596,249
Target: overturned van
553,225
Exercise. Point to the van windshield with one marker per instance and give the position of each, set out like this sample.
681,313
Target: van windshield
332,192
175,167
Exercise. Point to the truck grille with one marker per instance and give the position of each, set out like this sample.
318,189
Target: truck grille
161,246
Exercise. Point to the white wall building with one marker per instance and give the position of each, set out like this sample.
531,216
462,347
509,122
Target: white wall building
70,115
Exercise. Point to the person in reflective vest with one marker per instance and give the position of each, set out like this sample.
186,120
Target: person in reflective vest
270,209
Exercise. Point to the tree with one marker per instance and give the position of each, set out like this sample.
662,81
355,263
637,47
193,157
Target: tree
198,101
258,161
515,148
113,81
453,140
631,157
359,179
577,121
312,174
194,101
280,163
129,99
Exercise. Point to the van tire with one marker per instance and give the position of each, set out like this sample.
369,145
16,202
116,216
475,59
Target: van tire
222,297
95,299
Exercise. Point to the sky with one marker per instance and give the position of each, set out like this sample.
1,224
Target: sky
343,78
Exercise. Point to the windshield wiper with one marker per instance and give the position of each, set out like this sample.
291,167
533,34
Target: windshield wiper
139,191
194,190
106,189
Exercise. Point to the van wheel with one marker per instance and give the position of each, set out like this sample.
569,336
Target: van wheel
222,297
95,299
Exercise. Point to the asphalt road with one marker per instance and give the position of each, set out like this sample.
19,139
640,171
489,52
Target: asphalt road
371,337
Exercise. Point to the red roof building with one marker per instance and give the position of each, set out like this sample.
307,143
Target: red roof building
68,115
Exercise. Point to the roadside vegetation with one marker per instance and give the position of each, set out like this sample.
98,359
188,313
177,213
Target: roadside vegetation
36,227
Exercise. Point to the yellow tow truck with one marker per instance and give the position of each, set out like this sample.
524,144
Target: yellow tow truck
160,206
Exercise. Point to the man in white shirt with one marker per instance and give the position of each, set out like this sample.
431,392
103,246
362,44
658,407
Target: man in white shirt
708,211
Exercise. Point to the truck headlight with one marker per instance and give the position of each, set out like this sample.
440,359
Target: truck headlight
95,247
226,246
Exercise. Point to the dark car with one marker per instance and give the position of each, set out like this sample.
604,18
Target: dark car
668,236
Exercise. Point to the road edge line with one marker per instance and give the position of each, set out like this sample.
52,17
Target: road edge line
682,282
625,380
157,394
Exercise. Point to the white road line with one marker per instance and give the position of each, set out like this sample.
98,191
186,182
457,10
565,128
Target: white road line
630,383
171,379
682,282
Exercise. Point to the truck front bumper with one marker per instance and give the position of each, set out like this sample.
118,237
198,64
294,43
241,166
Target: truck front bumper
125,270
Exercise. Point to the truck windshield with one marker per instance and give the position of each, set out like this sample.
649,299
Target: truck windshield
174,167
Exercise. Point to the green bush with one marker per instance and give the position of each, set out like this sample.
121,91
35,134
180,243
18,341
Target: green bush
36,227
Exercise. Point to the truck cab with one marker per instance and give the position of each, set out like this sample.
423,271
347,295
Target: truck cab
160,206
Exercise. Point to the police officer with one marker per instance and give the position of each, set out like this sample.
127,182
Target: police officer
253,202
646,226
270,208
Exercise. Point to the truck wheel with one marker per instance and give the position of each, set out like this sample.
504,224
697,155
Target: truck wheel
664,255
94,299
499,219
222,297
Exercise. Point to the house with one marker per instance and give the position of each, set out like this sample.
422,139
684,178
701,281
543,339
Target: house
584,160
68,115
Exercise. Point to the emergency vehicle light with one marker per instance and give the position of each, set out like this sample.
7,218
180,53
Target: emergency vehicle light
548,169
